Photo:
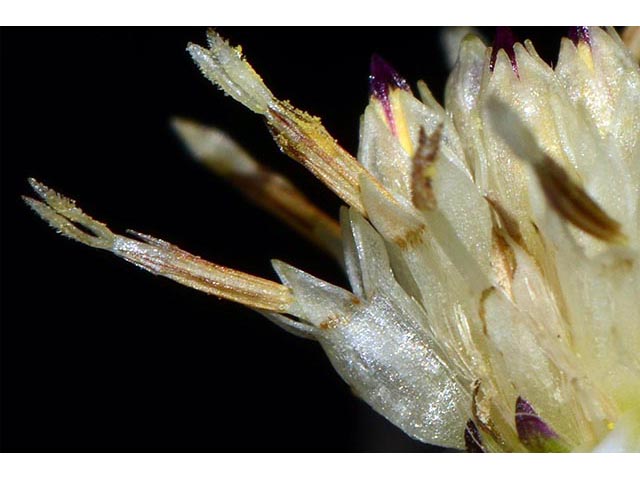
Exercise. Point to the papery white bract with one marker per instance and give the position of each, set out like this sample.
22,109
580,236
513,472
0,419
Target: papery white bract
491,245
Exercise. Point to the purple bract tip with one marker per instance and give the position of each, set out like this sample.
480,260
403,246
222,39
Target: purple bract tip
532,430
472,439
580,34
504,40
382,78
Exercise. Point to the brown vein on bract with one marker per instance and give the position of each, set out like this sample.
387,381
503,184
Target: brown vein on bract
482,419
422,166
503,261
410,239
482,312
333,321
571,201
507,220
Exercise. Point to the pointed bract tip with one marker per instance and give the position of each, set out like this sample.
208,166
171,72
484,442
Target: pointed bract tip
579,34
504,40
533,432
382,77
522,406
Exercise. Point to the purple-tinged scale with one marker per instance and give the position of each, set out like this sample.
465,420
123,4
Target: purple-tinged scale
504,40
472,438
533,432
382,78
580,34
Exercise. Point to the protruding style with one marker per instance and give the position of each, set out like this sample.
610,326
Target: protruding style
491,247
266,188
159,257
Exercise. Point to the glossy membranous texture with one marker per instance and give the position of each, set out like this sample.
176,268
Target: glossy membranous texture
491,244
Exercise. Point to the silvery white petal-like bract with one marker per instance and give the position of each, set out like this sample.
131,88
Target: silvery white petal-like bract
491,245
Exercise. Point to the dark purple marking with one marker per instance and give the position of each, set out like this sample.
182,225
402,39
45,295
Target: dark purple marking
382,78
472,438
504,40
532,430
579,34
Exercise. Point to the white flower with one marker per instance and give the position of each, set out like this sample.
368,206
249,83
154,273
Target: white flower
491,245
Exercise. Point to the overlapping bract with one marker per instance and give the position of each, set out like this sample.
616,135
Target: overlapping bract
491,245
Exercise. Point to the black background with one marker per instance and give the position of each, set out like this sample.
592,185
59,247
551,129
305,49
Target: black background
100,356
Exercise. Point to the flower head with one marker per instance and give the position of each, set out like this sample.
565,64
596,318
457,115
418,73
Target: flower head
491,244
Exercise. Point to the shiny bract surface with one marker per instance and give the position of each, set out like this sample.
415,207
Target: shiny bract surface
491,244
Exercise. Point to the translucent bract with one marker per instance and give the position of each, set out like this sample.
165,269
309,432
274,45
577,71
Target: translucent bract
491,244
